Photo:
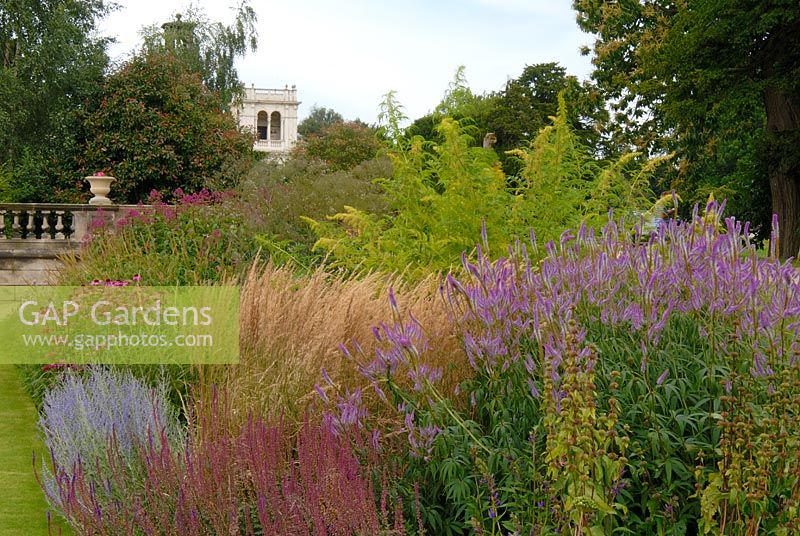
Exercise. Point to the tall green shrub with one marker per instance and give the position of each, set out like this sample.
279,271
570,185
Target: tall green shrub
158,127
275,195
341,145
442,193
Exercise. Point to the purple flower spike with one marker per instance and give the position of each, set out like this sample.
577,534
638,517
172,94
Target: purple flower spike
662,377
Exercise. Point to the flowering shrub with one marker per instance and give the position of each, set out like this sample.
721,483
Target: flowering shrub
155,125
197,239
253,480
649,385
83,415
440,194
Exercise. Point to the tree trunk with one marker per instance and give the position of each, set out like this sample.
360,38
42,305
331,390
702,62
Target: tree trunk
783,131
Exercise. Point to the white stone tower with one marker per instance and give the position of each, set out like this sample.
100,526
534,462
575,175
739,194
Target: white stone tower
271,114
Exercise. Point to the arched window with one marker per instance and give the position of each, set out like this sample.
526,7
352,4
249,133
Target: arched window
262,125
275,126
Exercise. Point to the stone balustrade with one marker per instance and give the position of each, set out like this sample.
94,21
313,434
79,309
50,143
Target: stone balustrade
280,146
46,221
34,235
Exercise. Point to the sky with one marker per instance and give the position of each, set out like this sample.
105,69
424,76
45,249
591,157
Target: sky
347,54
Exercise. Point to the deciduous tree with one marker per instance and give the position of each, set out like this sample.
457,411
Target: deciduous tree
520,110
209,48
51,62
678,71
318,118
158,127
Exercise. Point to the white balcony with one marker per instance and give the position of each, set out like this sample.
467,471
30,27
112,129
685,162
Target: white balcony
272,146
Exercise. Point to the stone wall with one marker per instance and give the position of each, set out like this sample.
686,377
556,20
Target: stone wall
31,262
33,237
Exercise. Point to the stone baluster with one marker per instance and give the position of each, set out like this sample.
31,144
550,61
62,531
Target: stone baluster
38,224
48,223
15,225
3,224
58,226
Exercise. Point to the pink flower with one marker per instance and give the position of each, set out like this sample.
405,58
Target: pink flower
99,174
155,197
136,278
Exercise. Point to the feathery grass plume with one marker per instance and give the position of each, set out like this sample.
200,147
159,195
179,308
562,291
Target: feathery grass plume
292,328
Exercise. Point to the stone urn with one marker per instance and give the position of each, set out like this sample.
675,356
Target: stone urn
100,186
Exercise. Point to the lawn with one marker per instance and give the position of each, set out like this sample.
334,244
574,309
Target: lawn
22,504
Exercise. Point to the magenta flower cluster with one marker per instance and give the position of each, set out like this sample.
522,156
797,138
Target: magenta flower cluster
203,197
136,278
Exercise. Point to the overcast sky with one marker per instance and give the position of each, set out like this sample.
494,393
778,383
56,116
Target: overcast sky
346,54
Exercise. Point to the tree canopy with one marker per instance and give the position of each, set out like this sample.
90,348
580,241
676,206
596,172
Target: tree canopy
717,81
209,47
516,113
158,127
50,63
318,118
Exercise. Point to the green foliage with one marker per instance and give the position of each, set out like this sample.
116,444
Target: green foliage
666,419
6,180
61,120
275,195
518,112
441,194
390,119
616,387
584,451
341,146
716,82
209,48
461,104
318,118
437,205
747,493
184,244
528,102
51,61
157,127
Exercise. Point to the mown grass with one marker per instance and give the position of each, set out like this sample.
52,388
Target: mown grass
22,503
